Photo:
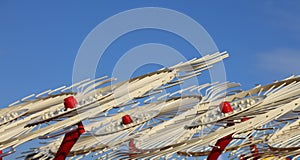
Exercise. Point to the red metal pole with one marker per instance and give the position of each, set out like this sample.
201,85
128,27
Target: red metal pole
71,137
132,148
126,119
253,148
223,142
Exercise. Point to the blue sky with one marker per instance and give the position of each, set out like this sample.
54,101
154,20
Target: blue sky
39,40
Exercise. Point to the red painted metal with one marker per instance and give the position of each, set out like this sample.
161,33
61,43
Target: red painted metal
226,107
253,148
245,119
132,149
0,154
221,144
254,151
71,137
219,147
126,119
70,102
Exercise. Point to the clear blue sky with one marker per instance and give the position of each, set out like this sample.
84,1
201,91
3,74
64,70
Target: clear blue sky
39,40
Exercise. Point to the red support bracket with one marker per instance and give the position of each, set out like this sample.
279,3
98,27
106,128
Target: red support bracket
221,144
253,148
70,137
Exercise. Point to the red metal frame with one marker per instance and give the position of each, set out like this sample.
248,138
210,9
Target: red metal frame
71,137
221,144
